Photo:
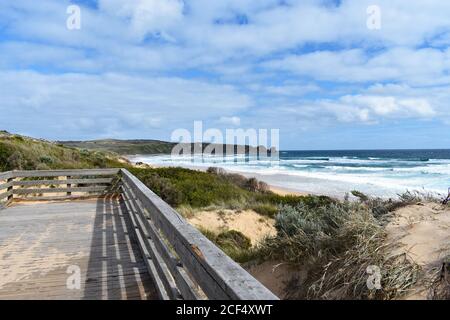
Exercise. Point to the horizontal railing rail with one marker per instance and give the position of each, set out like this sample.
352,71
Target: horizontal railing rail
193,266
47,185
183,263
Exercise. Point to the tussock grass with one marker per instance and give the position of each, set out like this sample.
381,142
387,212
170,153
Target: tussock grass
235,244
336,243
439,281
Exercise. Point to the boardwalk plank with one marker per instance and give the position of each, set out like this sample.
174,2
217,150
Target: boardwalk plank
39,241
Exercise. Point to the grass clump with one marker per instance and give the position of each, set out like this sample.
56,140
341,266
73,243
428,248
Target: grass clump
265,209
336,243
234,244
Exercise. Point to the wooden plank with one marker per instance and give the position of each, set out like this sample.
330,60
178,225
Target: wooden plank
6,194
58,190
217,274
6,185
111,264
5,175
184,283
59,198
63,173
161,267
61,182
160,288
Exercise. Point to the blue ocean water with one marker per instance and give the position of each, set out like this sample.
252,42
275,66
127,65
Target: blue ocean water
377,172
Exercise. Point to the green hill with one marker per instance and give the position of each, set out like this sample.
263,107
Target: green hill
130,147
123,146
24,153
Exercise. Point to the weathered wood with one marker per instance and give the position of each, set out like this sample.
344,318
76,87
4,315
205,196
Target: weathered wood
6,185
217,274
163,272
63,173
58,190
5,195
50,237
61,182
185,285
192,268
10,189
151,265
59,198
5,175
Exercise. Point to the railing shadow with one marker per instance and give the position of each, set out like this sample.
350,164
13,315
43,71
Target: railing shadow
116,269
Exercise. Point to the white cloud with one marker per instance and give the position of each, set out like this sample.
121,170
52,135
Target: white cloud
60,104
147,16
423,66
162,63
234,121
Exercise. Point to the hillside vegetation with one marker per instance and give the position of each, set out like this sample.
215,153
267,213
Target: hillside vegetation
23,153
123,147
131,147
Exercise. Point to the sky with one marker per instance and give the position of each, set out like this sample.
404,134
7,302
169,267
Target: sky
328,74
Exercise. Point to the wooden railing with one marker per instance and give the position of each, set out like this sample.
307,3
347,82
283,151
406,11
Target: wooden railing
183,263
56,184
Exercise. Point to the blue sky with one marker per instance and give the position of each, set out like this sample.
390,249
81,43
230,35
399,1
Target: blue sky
313,69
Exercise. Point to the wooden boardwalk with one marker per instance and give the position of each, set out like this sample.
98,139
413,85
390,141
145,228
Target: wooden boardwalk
103,234
42,245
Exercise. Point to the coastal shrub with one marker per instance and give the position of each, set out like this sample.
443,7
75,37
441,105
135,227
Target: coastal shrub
163,188
46,159
252,184
234,239
265,209
381,207
362,197
199,189
234,244
335,244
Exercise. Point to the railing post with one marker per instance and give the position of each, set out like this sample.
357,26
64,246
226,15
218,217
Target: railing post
11,196
68,186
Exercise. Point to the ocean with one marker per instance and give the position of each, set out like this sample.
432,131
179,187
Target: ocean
384,173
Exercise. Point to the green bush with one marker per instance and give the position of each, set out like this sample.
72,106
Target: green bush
234,244
46,160
198,189
265,209
233,239
163,188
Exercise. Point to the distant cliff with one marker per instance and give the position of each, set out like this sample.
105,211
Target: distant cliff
129,147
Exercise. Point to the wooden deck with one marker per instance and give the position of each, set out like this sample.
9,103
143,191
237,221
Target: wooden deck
124,243
42,244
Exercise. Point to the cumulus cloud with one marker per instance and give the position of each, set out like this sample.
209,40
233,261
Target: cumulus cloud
147,16
234,121
158,64
61,104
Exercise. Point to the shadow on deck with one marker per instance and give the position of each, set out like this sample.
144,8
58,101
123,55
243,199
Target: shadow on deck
127,243
43,246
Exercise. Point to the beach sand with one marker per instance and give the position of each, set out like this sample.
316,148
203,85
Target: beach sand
250,223
422,232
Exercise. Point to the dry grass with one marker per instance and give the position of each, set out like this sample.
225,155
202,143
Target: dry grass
336,244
